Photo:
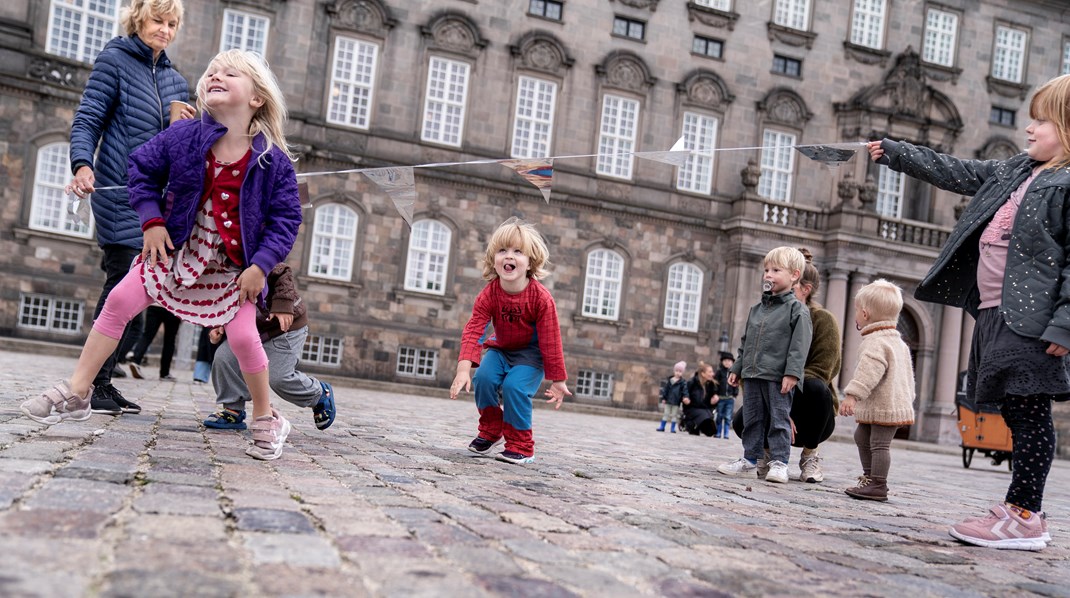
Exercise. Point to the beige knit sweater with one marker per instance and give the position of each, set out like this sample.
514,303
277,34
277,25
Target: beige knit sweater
883,381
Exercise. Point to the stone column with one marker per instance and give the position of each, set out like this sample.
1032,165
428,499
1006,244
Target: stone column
851,338
940,423
836,297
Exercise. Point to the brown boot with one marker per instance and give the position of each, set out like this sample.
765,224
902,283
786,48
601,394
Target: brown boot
870,488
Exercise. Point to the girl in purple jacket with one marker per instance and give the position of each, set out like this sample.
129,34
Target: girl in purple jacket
222,190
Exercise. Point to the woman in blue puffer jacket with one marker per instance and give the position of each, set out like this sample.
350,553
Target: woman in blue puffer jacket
125,103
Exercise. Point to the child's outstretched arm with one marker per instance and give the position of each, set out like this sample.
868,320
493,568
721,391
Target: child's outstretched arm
557,392
463,379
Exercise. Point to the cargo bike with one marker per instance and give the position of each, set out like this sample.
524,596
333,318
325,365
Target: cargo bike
982,428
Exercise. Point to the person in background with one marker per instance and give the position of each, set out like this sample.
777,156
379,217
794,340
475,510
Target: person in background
672,391
726,397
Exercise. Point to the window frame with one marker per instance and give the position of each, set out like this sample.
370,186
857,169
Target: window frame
698,161
683,297
886,195
532,122
1065,70
333,237
48,200
323,350
361,90
723,5
789,13
83,51
598,292
229,13
786,61
416,362
769,167
997,116
1001,50
440,133
587,381
931,55
52,323
629,25
546,5
707,42
867,22
618,163
425,273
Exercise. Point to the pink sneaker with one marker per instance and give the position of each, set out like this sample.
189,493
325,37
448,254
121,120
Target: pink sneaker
269,436
1004,528
57,404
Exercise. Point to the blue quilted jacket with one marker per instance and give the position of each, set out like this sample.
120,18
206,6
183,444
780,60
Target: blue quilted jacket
167,181
126,101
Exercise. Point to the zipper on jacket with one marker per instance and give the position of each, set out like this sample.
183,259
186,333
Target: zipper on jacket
159,100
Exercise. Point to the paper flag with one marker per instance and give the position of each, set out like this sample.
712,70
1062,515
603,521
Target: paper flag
537,171
677,155
832,154
398,183
79,209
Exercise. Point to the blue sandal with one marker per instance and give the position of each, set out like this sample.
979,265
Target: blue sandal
324,411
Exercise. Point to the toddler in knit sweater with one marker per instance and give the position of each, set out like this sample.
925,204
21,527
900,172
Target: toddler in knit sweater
881,393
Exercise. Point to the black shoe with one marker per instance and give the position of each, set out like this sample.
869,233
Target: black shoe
482,446
117,372
120,400
102,401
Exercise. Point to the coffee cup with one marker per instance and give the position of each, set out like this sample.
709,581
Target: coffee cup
181,110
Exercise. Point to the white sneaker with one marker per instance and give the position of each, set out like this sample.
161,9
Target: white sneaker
739,467
778,472
810,469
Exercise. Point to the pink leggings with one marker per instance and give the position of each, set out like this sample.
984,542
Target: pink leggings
129,298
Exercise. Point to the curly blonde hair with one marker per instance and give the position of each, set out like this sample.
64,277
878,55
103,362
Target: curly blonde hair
515,232
133,16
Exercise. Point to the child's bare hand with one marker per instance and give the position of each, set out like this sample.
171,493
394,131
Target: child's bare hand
215,335
1057,350
787,384
847,407
686,401
250,283
285,320
157,243
557,392
462,380
874,149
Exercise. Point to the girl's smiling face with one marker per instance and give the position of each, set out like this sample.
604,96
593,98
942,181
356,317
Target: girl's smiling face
511,265
228,86
1044,143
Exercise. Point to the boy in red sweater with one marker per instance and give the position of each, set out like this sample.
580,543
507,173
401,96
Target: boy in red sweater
523,348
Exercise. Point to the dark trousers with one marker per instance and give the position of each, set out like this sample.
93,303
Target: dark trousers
811,410
1032,450
115,264
154,316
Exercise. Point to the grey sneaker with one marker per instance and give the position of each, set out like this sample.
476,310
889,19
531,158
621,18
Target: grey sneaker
778,472
739,467
810,469
57,404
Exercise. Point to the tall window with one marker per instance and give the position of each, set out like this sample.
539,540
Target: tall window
322,350
794,14
778,165
333,238
890,186
941,28
616,141
51,314
700,135
594,385
725,5
417,363
534,119
447,93
244,31
352,82
48,208
1008,54
429,256
78,29
1066,58
867,23
683,293
601,292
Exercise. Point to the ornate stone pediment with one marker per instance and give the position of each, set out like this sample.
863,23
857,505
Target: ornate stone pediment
541,51
791,37
712,16
1007,89
454,32
784,106
366,16
627,71
706,89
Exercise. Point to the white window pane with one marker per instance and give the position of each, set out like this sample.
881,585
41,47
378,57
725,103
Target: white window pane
792,13
605,275
244,31
78,29
724,5
867,23
700,135
941,28
616,139
429,256
1008,54
50,206
444,104
352,82
683,296
533,119
890,187
334,237
778,165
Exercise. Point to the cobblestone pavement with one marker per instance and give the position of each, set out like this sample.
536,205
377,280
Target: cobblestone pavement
388,502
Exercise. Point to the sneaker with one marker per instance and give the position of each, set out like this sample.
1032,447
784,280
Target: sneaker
482,446
324,411
135,370
103,401
512,457
57,404
810,469
269,436
168,377
763,465
117,372
778,472
127,406
1003,528
739,467
226,419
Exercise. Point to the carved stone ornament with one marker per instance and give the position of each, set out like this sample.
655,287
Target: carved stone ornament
53,72
650,4
847,188
784,106
711,16
867,194
749,177
791,37
627,71
454,32
706,89
998,148
366,16
1007,89
866,55
542,51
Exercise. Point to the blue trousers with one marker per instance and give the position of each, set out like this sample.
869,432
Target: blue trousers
517,386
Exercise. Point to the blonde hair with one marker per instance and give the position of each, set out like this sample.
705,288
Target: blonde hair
1052,102
135,15
702,365
514,232
270,118
882,299
786,257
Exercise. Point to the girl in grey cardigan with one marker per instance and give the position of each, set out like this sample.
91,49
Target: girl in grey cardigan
1007,262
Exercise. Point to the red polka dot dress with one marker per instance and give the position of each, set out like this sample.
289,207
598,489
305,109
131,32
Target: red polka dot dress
200,284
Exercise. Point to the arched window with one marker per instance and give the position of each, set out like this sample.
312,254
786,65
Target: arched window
334,237
429,256
605,276
683,291
48,208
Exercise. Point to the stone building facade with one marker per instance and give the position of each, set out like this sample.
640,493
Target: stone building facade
653,263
